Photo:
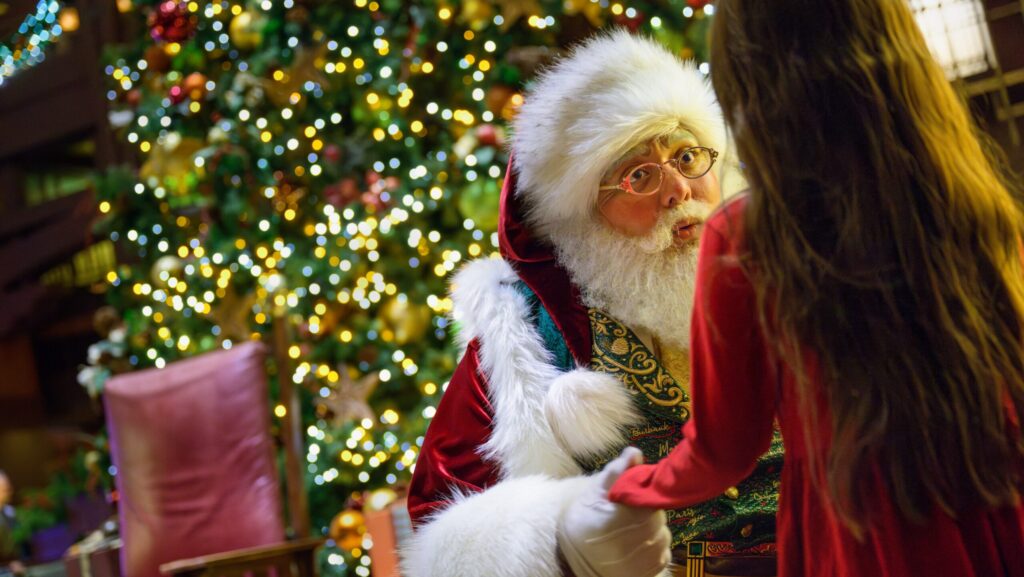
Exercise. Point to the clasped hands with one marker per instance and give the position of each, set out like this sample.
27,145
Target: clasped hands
599,538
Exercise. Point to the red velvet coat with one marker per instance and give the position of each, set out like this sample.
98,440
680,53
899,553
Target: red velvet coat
737,395
450,456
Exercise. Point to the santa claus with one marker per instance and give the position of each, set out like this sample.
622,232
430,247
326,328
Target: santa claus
576,341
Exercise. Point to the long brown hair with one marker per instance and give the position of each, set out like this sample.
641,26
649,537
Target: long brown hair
884,243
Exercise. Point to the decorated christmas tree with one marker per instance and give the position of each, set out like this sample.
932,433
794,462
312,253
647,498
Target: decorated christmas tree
327,165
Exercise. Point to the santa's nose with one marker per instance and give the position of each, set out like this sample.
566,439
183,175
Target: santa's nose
675,189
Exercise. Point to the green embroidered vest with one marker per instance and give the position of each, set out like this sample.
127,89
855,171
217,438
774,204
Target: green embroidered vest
740,521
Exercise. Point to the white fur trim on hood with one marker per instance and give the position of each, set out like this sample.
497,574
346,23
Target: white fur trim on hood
610,94
517,366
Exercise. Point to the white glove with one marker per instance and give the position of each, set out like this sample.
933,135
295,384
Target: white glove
599,538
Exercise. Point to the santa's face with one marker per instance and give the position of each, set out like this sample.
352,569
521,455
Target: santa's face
640,215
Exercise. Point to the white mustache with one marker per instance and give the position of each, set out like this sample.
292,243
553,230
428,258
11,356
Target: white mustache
660,237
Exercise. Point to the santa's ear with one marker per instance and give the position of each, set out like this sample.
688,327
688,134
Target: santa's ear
588,412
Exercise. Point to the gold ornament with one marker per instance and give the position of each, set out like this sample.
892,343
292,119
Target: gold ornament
246,30
164,268
513,10
498,96
476,14
347,529
592,10
287,92
405,321
171,160
349,402
194,86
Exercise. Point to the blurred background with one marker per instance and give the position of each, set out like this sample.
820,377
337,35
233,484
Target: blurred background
226,232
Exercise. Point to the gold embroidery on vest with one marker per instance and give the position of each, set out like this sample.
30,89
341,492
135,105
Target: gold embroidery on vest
677,361
619,352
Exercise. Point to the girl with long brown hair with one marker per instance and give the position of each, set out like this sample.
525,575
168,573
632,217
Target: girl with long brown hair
867,293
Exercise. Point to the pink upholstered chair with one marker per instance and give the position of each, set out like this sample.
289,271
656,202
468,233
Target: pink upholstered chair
196,469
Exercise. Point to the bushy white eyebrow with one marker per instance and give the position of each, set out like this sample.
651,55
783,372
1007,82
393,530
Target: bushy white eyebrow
644,148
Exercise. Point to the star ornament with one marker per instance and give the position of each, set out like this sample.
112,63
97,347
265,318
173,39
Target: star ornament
231,313
589,8
350,400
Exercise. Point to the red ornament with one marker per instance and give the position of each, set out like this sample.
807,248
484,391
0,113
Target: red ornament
697,4
176,94
332,153
341,193
634,23
489,135
133,97
171,22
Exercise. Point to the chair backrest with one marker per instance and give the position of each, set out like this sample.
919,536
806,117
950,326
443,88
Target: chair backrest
194,455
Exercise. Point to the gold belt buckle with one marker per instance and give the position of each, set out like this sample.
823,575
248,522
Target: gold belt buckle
695,552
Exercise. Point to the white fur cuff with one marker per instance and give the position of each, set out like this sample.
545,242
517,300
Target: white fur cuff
508,530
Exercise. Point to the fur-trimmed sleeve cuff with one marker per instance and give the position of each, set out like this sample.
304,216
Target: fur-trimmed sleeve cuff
508,530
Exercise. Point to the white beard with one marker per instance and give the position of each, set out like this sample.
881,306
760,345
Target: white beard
645,282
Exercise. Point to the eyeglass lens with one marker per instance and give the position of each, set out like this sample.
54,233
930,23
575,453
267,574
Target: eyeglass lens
691,163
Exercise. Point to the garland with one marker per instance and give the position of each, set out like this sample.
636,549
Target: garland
27,47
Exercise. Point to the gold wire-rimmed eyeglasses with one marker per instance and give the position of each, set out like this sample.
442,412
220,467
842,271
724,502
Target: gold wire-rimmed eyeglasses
646,179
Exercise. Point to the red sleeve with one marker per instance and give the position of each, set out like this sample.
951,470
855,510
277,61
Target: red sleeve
732,386
449,459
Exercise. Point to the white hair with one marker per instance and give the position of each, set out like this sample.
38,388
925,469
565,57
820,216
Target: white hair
610,94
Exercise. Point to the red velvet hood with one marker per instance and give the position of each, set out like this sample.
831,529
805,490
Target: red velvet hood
534,260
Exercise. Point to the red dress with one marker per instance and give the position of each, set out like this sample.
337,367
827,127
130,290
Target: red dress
738,390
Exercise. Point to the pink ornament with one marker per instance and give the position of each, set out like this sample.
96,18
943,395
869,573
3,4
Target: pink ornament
374,202
176,94
171,22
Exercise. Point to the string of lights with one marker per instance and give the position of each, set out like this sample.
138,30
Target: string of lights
27,47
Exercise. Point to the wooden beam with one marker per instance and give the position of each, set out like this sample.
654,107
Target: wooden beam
47,245
12,196
1000,12
17,306
17,222
21,403
39,122
60,71
994,83
1015,111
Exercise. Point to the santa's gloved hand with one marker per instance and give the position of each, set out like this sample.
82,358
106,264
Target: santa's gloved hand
599,538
